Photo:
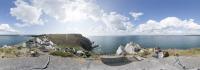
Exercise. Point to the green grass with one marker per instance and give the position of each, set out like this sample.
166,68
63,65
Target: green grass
65,39
8,50
61,53
70,46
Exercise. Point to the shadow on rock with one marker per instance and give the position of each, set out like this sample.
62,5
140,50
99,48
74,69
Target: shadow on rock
116,61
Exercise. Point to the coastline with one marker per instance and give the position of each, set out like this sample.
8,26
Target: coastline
62,57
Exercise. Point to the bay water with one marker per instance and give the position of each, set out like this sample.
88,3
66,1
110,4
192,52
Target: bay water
109,44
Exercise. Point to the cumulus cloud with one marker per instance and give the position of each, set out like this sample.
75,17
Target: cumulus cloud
71,12
6,28
84,16
169,25
116,21
26,13
136,15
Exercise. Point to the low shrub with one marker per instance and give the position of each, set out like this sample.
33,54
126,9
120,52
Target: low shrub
61,53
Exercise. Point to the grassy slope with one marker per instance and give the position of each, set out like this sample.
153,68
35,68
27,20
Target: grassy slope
66,40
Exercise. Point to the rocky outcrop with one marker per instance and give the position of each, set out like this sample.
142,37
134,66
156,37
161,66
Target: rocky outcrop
120,50
132,48
41,42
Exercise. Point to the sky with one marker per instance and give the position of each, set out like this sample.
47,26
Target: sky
100,17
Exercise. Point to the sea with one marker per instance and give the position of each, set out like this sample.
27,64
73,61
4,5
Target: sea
109,44
13,39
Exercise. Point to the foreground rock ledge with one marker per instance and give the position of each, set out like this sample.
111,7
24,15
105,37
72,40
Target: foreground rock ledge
59,63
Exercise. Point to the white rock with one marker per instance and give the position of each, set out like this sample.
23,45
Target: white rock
23,44
49,47
131,48
6,46
51,43
32,52
79,52
38,40
120,50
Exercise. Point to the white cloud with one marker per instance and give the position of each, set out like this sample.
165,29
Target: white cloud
6,28
69,10
82,10
73,12
84,16
26,13
169,25
136,15
116,21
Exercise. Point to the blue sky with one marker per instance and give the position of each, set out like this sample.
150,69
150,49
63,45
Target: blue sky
98,17
155,9
5,6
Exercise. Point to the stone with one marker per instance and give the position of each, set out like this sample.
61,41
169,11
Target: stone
120,50
132,48
23,44
41,42
6,46
38,40
79,53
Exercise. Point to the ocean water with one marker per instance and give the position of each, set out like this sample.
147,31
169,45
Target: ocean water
109,44
13,40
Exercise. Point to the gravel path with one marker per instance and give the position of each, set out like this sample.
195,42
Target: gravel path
58,63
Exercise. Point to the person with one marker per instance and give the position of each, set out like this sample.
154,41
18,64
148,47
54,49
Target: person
159,53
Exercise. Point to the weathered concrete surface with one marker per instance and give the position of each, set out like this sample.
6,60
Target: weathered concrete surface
58,63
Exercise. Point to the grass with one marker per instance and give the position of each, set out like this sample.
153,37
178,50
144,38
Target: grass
65,39
188,52
10,52
144,53
15,52
77,47
61,53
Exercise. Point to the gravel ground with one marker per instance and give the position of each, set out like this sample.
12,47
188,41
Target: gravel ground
59,63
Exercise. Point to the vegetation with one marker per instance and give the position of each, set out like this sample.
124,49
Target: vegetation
77,47
188,52
61,53
12,52
144,53
65,39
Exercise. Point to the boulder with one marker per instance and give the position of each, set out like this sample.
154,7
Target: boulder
132,48
80,53
38,40
120,50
